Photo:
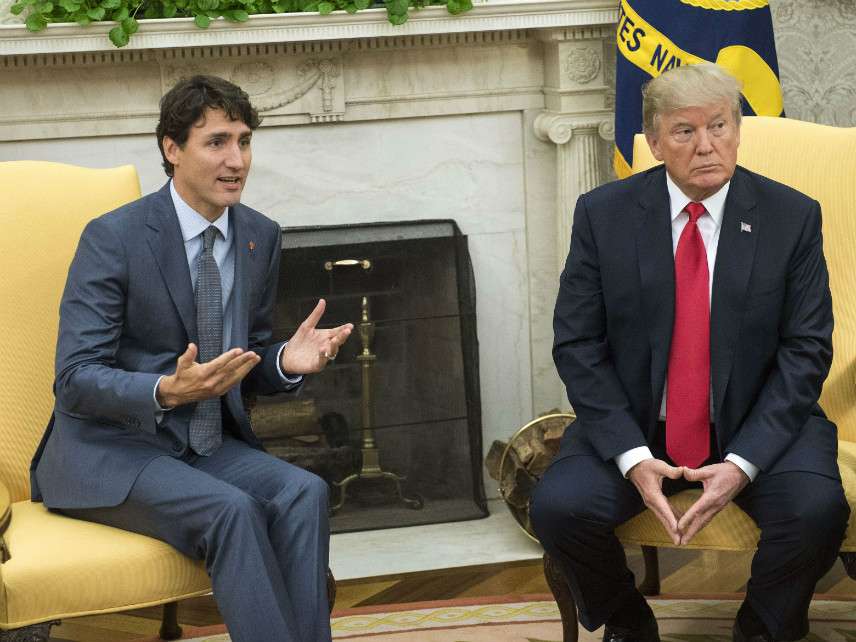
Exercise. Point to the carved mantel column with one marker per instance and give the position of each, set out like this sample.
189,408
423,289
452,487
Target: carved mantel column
579,98
577,139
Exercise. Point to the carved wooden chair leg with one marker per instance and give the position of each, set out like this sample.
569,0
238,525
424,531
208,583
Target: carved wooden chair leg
849,561
170,630
651,582
331,589
33,633
564,598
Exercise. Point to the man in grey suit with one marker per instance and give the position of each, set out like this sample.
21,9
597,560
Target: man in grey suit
165,323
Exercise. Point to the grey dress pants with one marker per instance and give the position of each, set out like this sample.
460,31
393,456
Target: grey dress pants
259,523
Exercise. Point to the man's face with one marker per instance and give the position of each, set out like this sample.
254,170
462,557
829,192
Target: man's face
698,146
212,166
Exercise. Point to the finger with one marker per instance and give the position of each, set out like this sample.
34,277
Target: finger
315,316
694,527
673,472
222,360
238,374
338,339
697,474
663,510
186,360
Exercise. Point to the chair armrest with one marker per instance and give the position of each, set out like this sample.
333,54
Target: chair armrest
5,520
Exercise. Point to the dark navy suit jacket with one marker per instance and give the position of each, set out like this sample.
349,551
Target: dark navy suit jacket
126,314
770,325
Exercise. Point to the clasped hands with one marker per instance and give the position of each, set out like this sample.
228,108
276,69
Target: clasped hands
721,483
308,351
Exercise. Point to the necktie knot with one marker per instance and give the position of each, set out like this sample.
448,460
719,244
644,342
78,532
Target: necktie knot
208,237
695,210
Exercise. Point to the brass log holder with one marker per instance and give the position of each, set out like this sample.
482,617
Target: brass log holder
370,467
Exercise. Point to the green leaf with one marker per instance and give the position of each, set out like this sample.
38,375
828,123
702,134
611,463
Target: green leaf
309,5
70,6
236,15
130,26
44,8
151,12
97,13
202,21
82,19
111,4
397,19
169,10
36,22
459,6
120,15
118,36
351,7
325,8
16,9
362,4
396,6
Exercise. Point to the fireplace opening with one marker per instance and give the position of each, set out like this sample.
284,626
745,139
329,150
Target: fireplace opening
394,423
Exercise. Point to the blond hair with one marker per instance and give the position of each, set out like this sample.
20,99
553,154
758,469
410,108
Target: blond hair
688,86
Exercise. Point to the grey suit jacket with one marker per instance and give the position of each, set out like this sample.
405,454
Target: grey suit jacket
126,314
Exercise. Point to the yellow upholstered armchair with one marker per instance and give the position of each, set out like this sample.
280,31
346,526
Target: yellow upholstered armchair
821,162
55,567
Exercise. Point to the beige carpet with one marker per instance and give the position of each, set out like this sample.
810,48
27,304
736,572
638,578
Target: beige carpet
536,619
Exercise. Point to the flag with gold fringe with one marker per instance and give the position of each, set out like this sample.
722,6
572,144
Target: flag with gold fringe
656,35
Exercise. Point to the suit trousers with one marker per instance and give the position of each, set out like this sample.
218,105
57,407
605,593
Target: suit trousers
259,523
802,516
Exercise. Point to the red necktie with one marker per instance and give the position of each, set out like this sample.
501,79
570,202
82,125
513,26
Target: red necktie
688,395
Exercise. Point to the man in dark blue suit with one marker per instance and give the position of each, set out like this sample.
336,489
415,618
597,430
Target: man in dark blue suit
165,323
693,333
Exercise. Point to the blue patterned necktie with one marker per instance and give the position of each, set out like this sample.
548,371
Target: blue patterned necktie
206,425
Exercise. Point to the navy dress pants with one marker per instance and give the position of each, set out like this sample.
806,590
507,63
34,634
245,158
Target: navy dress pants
802,516
259,523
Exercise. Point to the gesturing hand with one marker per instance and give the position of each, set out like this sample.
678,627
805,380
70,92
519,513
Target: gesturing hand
310,349
721,482
648,476
197,381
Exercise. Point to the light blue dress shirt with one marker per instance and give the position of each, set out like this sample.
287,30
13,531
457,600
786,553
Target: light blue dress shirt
192,225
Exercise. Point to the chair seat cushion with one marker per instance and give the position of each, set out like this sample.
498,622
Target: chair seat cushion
732,529
63,567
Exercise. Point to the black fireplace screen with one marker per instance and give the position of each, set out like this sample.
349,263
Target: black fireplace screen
394,424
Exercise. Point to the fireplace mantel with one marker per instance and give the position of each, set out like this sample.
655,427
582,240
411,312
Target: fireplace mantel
303,27
498,119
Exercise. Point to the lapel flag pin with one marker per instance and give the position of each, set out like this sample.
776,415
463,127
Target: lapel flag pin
252,245
745,227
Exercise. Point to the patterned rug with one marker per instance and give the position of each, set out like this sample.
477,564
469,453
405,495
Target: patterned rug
535,618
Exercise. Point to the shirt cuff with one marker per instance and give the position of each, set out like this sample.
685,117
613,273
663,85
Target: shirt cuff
159,410
290,380
628,459
747,467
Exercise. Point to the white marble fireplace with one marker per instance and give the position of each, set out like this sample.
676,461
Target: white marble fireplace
498,119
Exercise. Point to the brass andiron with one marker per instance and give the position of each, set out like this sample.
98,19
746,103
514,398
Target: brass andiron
370,468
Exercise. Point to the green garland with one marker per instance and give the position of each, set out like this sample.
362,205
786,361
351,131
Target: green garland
127,13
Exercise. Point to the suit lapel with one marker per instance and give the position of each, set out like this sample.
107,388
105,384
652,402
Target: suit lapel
244,253
167,245
735,256
657,278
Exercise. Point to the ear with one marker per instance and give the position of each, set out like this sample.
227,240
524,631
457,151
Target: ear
171,150
653,144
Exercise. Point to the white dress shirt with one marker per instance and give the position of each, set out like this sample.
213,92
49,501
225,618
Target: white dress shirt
709,226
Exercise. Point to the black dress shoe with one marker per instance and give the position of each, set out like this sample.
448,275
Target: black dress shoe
648,632
737,635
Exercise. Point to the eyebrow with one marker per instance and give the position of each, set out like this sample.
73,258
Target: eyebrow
225,134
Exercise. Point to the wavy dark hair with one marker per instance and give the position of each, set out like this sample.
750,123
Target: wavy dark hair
183,105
